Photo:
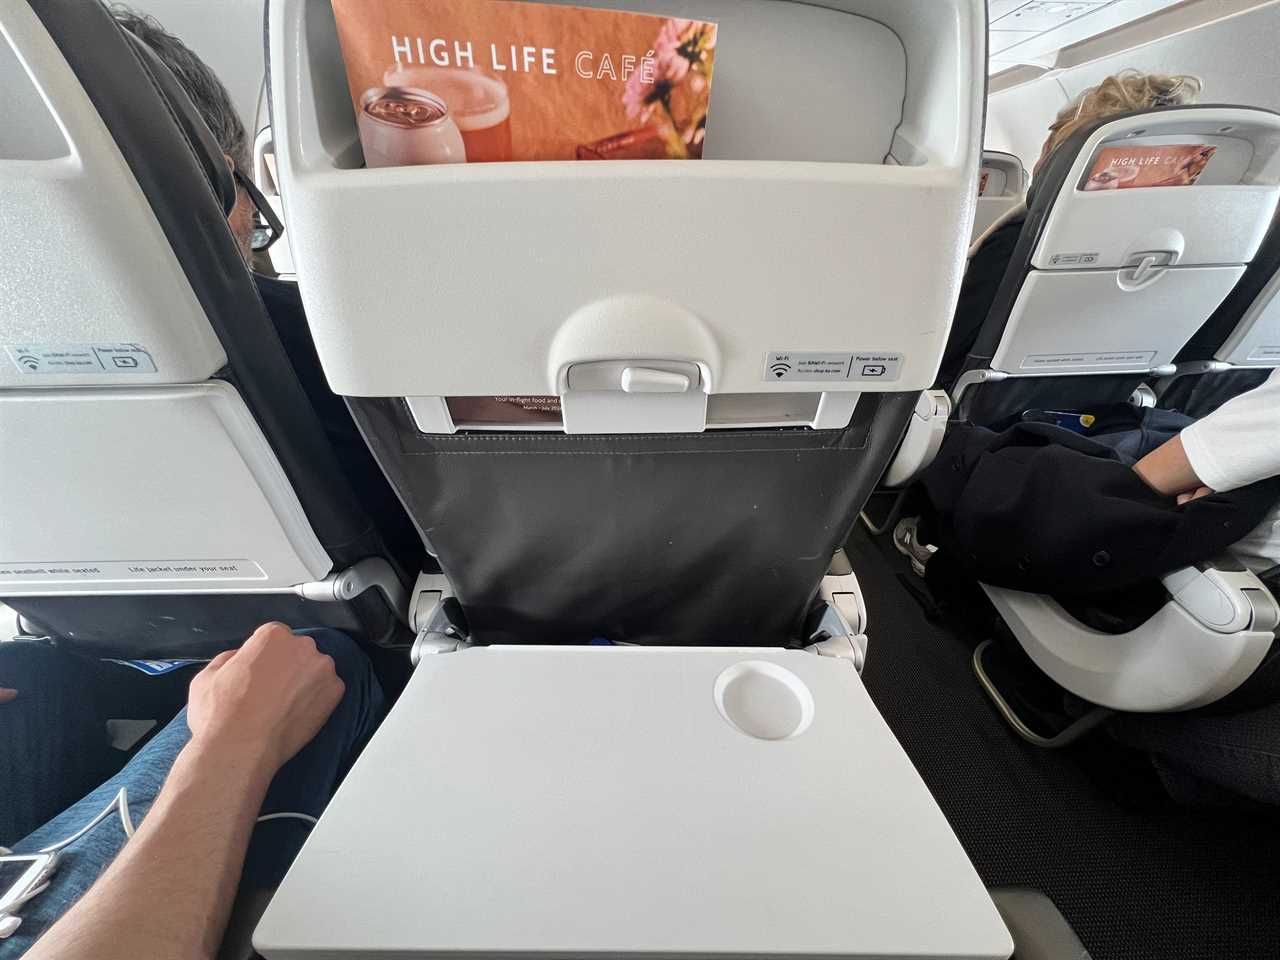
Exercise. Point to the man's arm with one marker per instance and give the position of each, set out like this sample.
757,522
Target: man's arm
169,892
1237,444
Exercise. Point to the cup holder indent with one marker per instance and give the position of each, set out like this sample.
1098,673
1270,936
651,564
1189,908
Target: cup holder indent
763,700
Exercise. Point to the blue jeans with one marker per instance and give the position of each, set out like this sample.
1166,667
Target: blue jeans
55,745
303,785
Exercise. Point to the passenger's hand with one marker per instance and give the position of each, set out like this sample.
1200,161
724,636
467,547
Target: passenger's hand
265,701
7,694
1167,470
1193,495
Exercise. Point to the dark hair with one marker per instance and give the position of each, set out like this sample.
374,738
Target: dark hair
201,84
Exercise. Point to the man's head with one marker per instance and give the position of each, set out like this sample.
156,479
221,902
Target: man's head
210,98
1119,93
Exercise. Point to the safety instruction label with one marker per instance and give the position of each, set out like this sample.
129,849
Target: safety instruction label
126,571
80,358
1114,358
1265,353
868,366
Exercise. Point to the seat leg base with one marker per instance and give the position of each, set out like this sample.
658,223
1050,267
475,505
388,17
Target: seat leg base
895,511
1073,732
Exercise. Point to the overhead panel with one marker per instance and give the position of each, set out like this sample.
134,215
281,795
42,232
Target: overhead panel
1033,31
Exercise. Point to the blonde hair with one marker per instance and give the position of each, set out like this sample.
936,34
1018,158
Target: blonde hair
1120,93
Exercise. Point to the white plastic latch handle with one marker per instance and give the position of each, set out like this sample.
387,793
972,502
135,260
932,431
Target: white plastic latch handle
648,380
1144,268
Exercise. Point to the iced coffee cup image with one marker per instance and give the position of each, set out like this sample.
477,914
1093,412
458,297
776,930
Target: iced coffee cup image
477,102
403,126
1114,177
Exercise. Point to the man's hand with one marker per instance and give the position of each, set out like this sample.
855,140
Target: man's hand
1194,495
1168,472
7,694
249,711
265,701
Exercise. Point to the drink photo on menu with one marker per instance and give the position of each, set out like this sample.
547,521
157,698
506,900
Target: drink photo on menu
481,81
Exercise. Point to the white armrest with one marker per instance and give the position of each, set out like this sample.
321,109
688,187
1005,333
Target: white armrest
1225,600
1177,660
922,440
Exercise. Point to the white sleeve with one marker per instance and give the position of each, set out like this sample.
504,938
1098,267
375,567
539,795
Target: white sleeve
1239,443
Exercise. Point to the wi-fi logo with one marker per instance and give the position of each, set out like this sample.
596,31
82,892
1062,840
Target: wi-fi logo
30,362
780,369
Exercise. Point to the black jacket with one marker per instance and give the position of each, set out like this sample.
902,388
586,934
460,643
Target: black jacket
1042,509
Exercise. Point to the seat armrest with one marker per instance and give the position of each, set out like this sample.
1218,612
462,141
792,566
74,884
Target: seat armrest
1225,598
921,442
1177,660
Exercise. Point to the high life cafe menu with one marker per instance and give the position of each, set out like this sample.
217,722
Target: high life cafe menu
1156,165
466,81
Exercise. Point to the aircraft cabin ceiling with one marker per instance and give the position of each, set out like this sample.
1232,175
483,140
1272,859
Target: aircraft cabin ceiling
1192,36
1033,31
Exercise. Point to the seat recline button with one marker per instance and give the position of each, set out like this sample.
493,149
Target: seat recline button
648,380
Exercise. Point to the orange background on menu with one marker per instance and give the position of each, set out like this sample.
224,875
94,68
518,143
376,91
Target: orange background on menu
550,115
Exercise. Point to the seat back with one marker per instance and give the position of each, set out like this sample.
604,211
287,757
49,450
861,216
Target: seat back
1111,280
1002,185
1237,347
1254,341
645,400
158,442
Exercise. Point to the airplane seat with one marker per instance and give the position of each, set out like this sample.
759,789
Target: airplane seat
634,407
1203,635
1105,288
633,438
170,486
1002,188
990,253
1238,347
1111,283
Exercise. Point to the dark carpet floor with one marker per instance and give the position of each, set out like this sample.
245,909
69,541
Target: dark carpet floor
1137,877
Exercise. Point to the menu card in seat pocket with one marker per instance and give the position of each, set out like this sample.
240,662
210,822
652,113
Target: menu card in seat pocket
467,81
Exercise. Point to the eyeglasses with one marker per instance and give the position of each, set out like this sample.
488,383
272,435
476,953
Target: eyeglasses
267,228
